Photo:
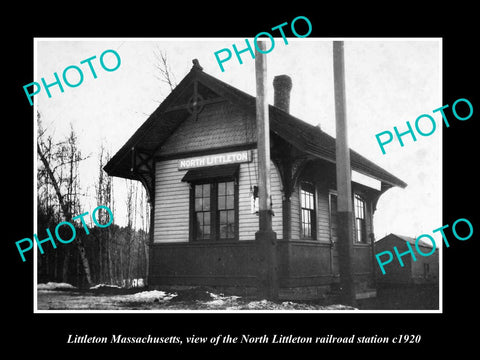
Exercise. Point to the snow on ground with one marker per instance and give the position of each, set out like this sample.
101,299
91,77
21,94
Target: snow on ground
55,286
98,286
147,296
58,296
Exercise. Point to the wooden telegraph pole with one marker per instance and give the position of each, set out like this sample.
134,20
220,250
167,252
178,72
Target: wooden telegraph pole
344,190
265,237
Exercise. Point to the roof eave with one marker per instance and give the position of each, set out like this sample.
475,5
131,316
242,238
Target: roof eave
237,96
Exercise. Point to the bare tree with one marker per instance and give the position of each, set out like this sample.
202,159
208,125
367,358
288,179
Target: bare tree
104,188
164,70
67,200
47,209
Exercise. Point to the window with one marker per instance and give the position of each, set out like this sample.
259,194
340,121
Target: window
214,211
226,209
203,215
307,200
213,202
360,225
426,270
360,222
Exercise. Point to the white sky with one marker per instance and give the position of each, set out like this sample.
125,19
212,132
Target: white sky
388,82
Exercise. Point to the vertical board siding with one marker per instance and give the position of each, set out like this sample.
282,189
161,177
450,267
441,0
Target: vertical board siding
332,218
323,216
295,213
172,202
248,222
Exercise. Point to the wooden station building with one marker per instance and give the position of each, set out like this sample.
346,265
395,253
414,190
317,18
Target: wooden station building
196,156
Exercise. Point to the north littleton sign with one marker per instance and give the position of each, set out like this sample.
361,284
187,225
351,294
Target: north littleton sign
236,157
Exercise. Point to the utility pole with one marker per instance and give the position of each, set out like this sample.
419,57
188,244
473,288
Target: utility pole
344,187
265,237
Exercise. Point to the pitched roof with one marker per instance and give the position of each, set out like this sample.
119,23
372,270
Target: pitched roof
305,137
411,240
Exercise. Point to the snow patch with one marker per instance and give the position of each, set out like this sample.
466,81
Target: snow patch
339,307
147,296
98,286
54,286
157,299
222,301
260,305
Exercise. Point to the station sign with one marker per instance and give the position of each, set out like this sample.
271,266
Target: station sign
236,157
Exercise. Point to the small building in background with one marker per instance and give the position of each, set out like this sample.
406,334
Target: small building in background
422,271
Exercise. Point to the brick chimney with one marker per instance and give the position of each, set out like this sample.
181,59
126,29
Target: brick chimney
282,84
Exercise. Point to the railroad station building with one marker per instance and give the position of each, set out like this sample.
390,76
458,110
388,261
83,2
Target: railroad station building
197,159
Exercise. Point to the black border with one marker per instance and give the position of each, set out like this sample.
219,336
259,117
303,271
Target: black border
47,333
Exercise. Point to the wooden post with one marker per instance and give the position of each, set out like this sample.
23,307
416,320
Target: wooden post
265,237
344,190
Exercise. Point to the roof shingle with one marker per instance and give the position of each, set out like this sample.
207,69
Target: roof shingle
307,138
